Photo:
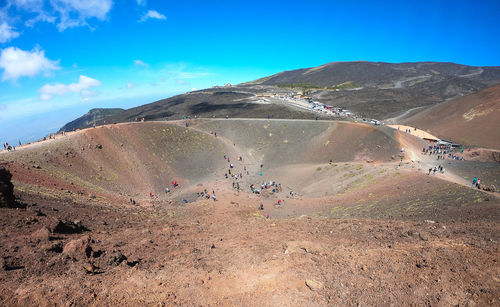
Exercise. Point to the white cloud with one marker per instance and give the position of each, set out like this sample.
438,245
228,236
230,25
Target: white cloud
35,7
141,2
82,87
129,85
7,33
18,63
140,63
74,13
152,14
32,5
67,13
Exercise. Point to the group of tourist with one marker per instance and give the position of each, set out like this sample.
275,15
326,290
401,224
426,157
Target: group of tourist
436,169
442,153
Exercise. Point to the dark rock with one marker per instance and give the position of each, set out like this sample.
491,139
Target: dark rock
7,198
116,258
422,237
97,253
56,247
134,262
39,212
69,227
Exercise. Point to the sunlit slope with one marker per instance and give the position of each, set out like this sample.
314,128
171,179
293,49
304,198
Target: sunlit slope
281,142
128,158
471,120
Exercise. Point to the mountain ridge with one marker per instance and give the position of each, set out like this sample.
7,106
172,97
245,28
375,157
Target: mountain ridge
370,89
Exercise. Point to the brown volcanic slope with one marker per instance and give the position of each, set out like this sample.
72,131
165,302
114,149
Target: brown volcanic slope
385,90
370,89
358,233
138,158
471,120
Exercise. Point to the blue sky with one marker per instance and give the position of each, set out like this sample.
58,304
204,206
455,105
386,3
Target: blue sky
60,58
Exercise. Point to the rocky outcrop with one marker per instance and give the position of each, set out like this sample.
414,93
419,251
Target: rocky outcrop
69,227
78,248
7,198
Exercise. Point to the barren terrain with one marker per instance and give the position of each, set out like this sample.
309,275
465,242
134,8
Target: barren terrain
366,224
471,120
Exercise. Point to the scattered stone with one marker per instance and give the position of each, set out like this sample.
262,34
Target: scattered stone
69,227
213,246
56,247
422,237
98,146
90,268
7,198
429,221
42,234
30,220
9,266
491,188
116,258
97,253
302,247
37,166
39,212
314,285
78,248
133,263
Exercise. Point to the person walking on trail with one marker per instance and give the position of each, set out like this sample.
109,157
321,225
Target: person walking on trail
474,181
261,207
214,197
279,202
478,184
167,190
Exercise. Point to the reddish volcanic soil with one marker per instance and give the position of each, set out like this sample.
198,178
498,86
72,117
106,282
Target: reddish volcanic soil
363,229
472,120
